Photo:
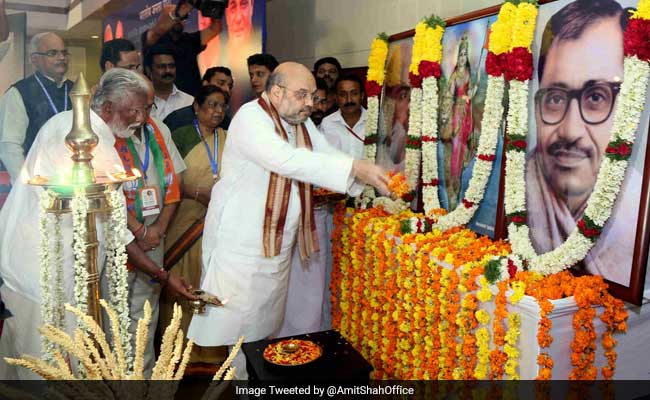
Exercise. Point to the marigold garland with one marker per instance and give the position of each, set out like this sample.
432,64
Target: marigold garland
426,321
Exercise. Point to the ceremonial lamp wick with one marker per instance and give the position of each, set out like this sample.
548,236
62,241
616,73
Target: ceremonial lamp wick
81,140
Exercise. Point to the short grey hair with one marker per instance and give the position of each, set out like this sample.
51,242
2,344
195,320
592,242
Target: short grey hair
117,83
36,41
276,78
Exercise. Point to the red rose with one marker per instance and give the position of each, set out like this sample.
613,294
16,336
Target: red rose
429,139
418,225
492,65
467,203
518,219
624,149
416,80
520,144
372,88
611,150
636,38
429,68
512,268
486,157
413,142
408,197
519,64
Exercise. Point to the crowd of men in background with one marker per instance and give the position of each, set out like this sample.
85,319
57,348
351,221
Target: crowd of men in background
165,107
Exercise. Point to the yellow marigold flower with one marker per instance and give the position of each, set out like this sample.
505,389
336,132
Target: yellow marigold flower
524,26
418,47
482,316
519,289
501,31
643,10
377,61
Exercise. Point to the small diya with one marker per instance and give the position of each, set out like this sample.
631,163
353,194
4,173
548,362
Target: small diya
292,352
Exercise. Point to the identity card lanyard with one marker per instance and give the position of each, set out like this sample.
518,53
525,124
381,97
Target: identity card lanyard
213,160
353,134
65,100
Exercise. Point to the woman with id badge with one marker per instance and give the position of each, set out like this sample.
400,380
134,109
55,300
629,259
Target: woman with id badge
201,145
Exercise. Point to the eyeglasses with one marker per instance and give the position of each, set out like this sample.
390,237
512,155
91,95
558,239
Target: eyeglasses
302,94
217,106
142,111
53,53
132,67
595,101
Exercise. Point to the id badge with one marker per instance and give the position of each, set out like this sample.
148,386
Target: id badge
149,199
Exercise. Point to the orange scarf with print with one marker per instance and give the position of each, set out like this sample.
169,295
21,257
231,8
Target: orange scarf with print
167,178
277,198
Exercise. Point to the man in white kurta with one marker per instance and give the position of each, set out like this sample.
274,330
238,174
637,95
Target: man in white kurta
19,220
308,307
234,267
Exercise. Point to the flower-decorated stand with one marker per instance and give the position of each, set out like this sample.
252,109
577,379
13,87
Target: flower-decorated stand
88,197
418,306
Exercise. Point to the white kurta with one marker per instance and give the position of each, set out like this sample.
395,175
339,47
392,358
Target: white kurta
308,306
19,233
233,265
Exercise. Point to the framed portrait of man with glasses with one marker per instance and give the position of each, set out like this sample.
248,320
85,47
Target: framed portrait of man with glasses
578,55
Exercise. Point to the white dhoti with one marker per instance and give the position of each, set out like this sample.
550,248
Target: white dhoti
307,296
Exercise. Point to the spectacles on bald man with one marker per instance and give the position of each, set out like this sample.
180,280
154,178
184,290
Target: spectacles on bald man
302,94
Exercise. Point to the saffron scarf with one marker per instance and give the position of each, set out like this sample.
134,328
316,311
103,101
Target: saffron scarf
277,198
164,167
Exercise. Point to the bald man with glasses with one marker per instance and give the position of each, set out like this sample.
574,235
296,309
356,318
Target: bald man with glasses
30,102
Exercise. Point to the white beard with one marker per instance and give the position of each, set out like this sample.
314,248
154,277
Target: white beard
125,132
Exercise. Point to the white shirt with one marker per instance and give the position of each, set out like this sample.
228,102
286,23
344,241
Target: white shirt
233,264
13,129
178,99
19,218
337,132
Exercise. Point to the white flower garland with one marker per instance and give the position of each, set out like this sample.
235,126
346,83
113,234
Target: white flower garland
44,255
369,150
430,144
79,206
484,159
627,116
116,270
412,157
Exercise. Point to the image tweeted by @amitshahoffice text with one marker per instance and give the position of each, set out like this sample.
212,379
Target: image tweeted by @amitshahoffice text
324,390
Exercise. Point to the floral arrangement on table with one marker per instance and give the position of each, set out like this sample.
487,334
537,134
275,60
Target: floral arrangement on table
51,261
99,361
415,305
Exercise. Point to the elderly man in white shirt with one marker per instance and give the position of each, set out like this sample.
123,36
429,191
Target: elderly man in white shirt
160,66
308,307
30,102
123,92
262,206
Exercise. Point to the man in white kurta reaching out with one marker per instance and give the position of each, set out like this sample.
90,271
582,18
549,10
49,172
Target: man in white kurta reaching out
263,204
